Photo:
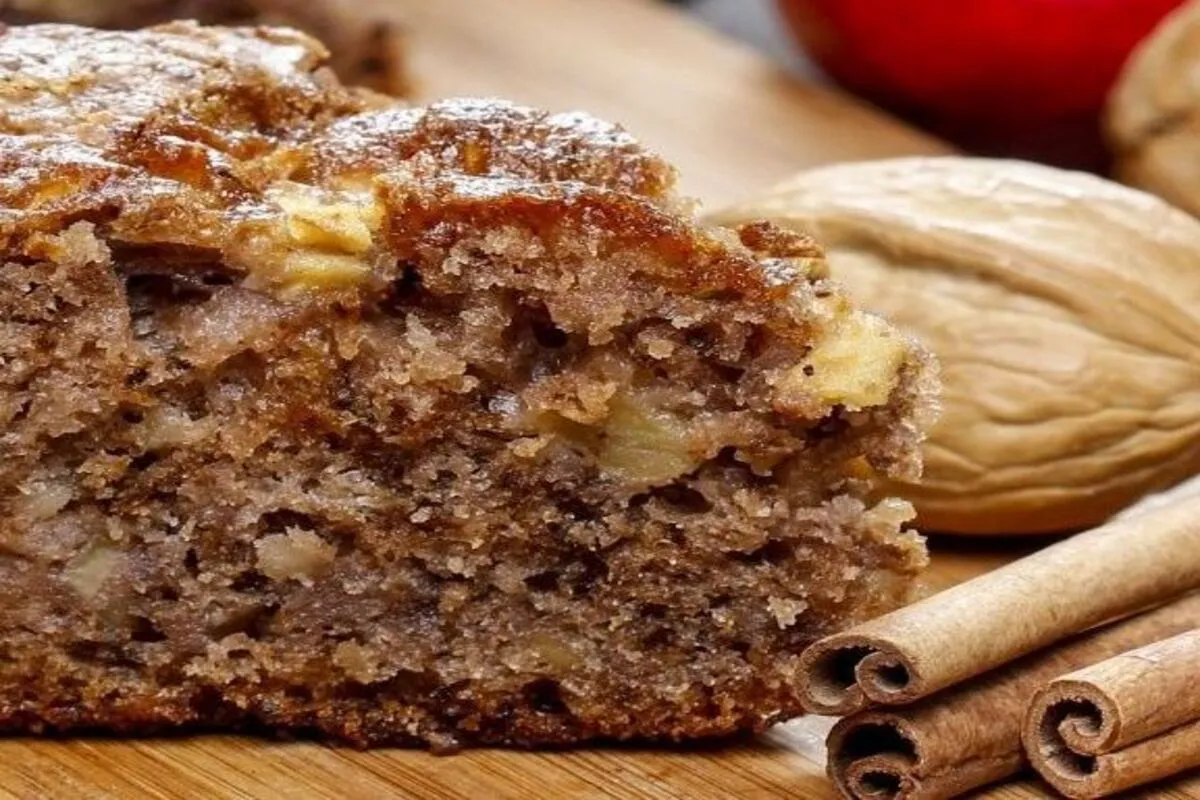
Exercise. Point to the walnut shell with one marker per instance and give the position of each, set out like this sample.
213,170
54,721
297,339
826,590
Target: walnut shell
1153,117
1065,311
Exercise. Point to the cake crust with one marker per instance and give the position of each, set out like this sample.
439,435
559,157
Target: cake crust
443,425
366,49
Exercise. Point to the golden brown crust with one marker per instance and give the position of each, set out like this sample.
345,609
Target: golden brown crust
153,127
95,86
366,50
242,109
492,138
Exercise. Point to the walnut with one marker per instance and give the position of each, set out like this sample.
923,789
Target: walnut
1065,312
1153,117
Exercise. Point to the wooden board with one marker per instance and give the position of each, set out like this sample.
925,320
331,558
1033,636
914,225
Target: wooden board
733,123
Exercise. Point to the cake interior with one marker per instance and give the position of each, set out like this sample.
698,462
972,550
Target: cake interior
286,508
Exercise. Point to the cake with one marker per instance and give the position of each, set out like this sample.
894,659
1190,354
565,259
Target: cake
444,426
368,48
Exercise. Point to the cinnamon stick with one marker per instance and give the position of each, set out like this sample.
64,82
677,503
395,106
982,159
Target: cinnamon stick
1132,719
955,635
970,735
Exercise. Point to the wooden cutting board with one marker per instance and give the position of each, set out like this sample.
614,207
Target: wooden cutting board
733,123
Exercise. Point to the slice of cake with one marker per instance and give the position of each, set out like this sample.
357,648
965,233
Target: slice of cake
410,425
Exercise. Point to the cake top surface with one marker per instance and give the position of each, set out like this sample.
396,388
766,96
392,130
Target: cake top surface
185,136
95,86
248,93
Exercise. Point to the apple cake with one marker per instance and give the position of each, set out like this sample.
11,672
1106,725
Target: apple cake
445,425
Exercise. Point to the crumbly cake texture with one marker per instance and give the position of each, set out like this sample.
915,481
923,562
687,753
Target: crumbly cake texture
445,425
368,48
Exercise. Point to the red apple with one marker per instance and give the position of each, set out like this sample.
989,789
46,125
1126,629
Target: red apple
1002,76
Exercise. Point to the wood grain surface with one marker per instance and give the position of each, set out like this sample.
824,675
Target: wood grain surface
732,123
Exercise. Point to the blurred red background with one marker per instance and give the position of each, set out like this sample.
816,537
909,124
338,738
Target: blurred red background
1019,78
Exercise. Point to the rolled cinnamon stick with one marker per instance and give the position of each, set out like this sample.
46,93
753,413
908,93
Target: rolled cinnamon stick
970,735
976,626
1132,719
